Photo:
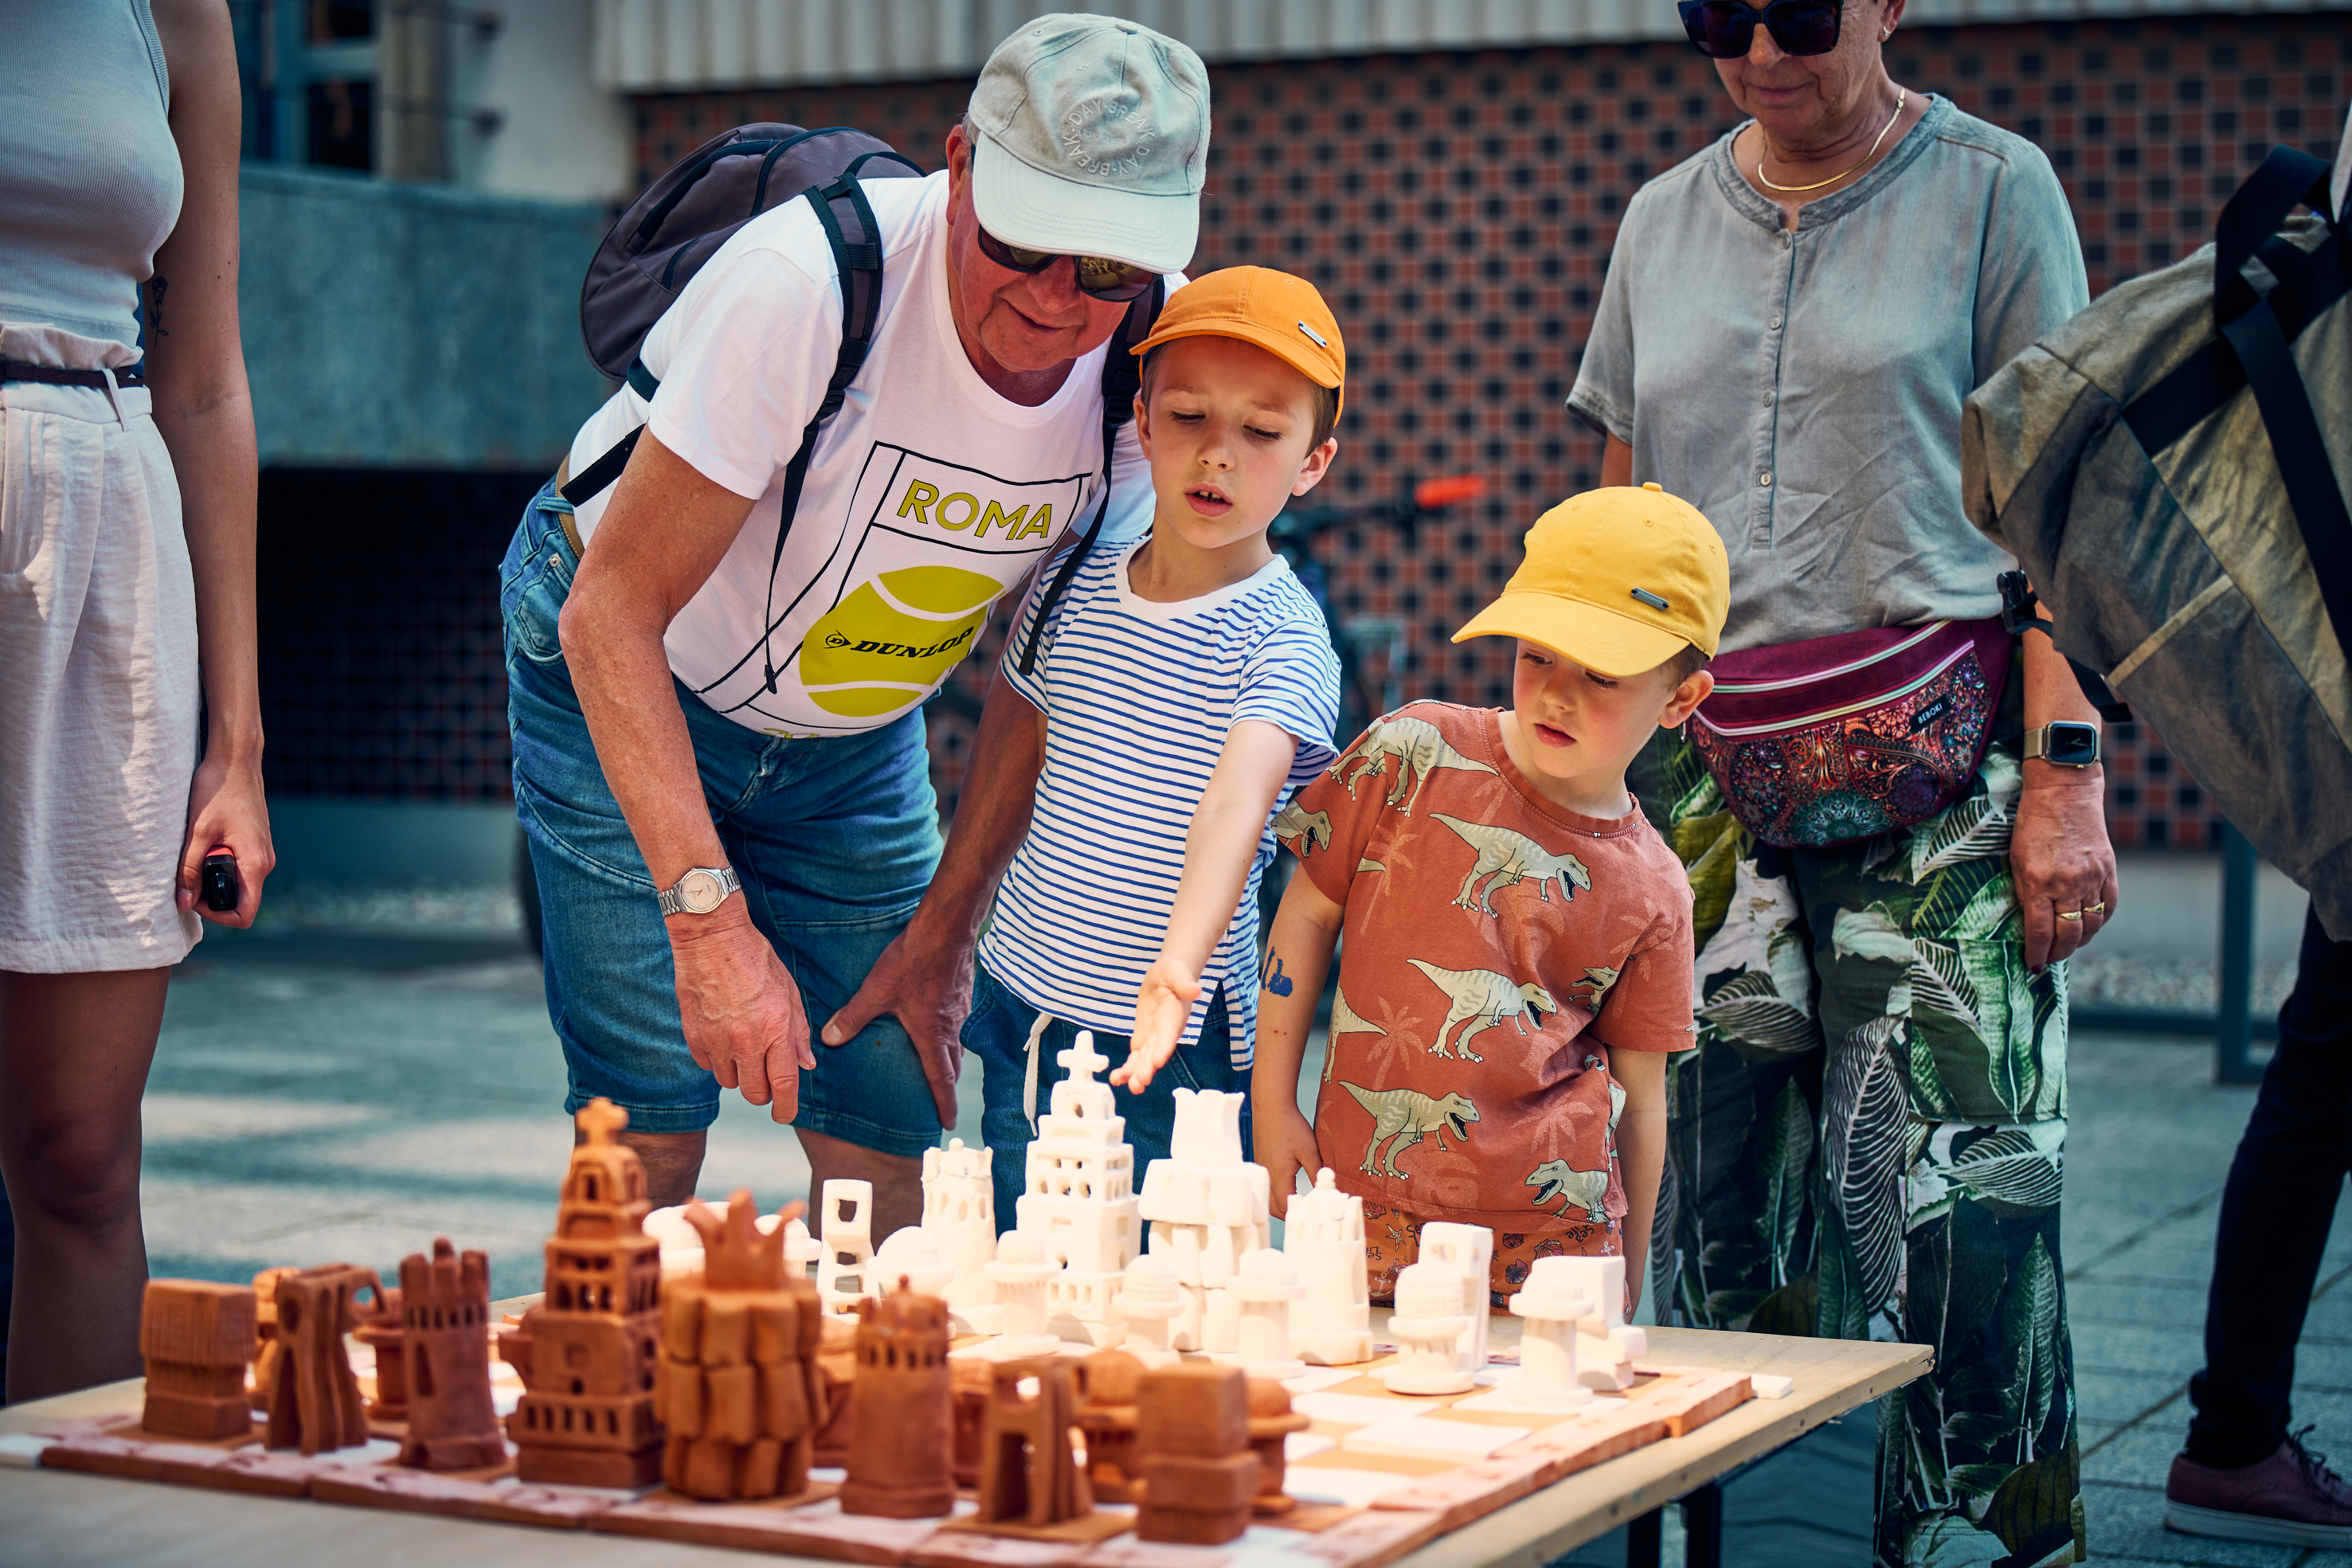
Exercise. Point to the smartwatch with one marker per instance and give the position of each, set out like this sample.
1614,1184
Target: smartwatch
702,889
2069,743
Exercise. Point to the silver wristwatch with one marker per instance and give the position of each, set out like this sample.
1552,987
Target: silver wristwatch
702,889
2069,743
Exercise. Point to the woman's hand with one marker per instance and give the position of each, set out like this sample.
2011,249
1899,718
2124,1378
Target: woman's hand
1163,1004
226,810
1285,1141
2061,861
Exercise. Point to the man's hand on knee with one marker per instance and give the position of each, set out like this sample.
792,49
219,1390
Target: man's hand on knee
925,984
741,1008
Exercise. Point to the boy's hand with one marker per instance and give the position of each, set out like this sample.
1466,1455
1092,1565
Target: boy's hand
1286,1147
1160,1008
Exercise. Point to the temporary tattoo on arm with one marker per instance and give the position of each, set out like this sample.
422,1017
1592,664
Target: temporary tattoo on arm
1280,984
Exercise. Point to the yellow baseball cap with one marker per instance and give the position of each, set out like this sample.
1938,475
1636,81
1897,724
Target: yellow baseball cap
1618,580
1278,311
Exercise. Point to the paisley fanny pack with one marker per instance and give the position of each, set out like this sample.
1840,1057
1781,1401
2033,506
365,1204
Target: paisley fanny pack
1839,738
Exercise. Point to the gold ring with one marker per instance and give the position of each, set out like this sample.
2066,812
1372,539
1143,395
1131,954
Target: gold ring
2070,914
2098,908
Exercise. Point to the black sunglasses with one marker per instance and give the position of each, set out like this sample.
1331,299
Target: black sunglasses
1100,277
1723,29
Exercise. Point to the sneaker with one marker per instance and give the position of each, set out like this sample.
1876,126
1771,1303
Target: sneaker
2291,1498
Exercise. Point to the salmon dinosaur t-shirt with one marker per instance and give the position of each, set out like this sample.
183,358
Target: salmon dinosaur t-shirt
1493,943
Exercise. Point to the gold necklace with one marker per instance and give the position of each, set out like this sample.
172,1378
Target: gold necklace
1764,180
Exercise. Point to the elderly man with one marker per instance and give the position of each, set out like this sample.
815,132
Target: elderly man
718,747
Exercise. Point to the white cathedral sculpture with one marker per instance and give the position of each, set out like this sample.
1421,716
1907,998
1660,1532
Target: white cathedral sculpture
960,1216
1324,1238
1079,1200
1206,1205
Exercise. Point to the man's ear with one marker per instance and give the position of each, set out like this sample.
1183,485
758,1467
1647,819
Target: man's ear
1317,463
1695,690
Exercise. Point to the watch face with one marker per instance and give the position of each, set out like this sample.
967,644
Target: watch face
2075,745
699,891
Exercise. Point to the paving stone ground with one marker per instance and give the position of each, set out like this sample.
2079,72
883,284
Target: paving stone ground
321,1096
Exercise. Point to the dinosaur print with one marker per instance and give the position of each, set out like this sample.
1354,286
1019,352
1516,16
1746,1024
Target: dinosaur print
1599,982
1344,1020
1292,824
1506,859
1582,1189
1369,864
1482,994
1408,1117
1420,749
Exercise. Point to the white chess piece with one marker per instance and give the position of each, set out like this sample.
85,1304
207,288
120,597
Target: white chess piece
1608,1364
1080,1200
1206,1205
909,1254
1148,1301
1428,1328
844,1269
960,1214
1021,1270
1551,1307
801,1251
1469,1251
1324,1237
1263,1290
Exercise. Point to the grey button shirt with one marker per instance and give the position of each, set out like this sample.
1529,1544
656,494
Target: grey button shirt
1803,389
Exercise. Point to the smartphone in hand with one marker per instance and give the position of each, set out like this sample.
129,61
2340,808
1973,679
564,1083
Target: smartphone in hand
219,887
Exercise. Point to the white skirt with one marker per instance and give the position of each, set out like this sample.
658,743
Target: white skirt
98,694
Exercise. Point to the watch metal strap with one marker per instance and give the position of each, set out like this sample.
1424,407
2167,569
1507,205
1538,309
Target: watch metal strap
729,883
2037,746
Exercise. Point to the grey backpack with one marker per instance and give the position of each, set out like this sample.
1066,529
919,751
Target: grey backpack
2161,468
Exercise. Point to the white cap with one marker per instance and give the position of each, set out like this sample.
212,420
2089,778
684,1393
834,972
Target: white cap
1096,142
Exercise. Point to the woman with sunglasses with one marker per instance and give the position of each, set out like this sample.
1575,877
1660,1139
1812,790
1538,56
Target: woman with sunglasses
1867,1142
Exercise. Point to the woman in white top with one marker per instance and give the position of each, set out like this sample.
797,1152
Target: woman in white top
126,622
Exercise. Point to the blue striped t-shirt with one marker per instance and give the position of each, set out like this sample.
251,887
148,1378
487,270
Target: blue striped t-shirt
1138,697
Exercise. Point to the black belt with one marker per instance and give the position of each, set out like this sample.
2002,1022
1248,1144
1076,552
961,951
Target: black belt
58,375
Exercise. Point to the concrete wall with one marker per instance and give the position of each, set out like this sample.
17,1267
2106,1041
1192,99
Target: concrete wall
557,136
411,327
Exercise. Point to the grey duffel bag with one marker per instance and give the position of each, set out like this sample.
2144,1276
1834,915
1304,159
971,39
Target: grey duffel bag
2165,467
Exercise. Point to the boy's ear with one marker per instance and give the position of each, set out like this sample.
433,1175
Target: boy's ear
1317,463
1144,425
1695,690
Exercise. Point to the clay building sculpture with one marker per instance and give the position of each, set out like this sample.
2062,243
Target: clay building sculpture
960,1215
1200,1474
1029,1474
1263,1289
901,1448
1428,1328
1108,1382
1552,1308
1079,1200
444,1315
314,1399
1271,1422
1469,1251
197,1338
265,1328
1324,1238
1206,1205
736,1389
1149,1301
844,1269
588,1352
1023,1274
386,1334
1610,1363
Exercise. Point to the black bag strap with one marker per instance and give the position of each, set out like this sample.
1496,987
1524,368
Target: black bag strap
2018,604
1122,379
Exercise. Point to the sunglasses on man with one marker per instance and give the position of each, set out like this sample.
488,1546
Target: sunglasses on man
1099,278
1723,29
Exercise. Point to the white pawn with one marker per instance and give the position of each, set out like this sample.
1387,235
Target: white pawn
844,1269
1019,1271
1552,1306
1428,1326
1150,1300
801,1251
1264,1290
1608,1364
911,1254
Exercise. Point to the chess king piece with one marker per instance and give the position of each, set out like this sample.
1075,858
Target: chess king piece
314,1400
1080,1200
960,1215
1021,1272
738,1339
1206,1205
1263,1289
1469,1251
844,1269
1609,1363
1148,1302
901,1448
1107,1385
1324,1237
197,1338
1271,1422
1199,1473
444,1315
1428,1329
1551,1307
589,1351
1029,1473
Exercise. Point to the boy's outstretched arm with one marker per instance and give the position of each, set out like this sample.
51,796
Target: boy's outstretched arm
1218,850
1641,1156
1297,956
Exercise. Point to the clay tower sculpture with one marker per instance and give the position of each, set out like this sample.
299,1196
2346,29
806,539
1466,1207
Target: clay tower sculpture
1029,1473
739,1343
1206,1205
1324,1238
445,1313
197,1337
902,1447
960,1214
1199,1476
314,1400
587,1353
1080,1200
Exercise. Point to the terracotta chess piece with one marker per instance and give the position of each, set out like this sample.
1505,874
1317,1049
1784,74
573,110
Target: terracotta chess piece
1271,1422
445,1311
1108,1383
197,1338
972,1381
265,1328
735,1386
836,1387
1199,1474
385,1334
901,1451
314,1399
1324,1237
588,1352
1428,1328
1029,1473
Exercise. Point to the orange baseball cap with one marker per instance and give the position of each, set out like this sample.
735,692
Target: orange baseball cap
1619,579
1278,311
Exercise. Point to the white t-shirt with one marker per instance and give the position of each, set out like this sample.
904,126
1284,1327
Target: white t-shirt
926,498
1138,696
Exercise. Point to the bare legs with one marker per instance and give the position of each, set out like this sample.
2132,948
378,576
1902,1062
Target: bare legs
673,1162
74,1054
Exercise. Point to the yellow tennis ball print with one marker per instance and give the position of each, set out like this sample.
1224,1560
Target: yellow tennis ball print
889,642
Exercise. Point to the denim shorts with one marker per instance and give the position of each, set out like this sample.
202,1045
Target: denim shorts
835,840
997,1031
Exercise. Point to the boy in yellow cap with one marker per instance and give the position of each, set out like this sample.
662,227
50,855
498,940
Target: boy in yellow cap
1185,686
1518,955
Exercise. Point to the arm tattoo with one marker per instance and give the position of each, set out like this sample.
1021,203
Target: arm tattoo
1280,984
155,309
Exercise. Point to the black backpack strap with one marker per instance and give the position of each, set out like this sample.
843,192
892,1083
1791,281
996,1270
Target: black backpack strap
1122,379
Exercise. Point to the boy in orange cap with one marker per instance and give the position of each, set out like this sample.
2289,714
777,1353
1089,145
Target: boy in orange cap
1518,961
1185,686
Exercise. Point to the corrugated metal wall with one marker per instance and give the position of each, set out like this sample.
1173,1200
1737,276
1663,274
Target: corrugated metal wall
677,46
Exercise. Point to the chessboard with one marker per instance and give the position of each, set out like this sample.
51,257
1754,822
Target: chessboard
1374,1477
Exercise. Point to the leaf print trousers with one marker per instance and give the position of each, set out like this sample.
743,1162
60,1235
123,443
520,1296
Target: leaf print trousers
1867,1145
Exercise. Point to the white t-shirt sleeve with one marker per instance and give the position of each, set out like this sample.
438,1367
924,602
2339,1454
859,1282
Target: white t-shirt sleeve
1032,686
1293,681
744,357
